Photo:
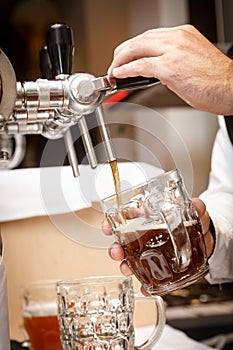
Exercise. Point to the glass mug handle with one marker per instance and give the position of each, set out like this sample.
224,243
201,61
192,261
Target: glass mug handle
179,237
171,216
160,323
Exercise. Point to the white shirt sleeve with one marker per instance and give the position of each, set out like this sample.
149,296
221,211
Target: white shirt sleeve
219,202
4,322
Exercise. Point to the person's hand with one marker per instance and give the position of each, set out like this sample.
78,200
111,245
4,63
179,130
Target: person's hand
183,60
116,252
205,224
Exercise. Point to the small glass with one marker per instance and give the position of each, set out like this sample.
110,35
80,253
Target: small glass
39,312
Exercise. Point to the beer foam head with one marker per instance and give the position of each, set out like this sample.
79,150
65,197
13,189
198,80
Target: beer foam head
190,223
142,224
40,309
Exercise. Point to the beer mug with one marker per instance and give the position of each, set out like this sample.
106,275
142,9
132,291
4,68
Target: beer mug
159,229
97,313
39,312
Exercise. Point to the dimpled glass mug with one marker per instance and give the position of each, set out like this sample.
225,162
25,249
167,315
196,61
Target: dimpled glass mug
160,232
97,313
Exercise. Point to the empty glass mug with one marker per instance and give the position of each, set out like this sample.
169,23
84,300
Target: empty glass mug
159,229
97,313
39,312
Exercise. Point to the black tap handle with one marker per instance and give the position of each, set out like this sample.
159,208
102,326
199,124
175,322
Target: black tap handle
59,39
46,68
134,83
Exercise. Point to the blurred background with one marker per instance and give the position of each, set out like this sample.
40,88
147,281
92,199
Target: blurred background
164,130
99,26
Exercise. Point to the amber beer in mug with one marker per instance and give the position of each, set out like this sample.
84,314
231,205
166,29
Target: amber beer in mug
39,314
160,232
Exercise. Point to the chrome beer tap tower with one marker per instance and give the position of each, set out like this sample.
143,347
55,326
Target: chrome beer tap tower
51,105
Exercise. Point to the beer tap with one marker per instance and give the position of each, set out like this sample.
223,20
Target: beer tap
56,62
59,62
52,104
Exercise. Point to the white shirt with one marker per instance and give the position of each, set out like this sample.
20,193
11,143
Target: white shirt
4,328
219,202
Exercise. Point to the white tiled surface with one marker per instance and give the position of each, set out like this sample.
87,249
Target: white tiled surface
171,339
196,311
54,190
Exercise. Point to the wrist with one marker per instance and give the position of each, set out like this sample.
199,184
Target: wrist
210,239
1,245
228,91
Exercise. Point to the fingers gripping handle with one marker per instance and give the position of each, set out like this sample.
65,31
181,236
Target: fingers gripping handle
179,236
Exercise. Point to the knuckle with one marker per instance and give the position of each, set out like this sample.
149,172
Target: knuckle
141,66
148,33
184,32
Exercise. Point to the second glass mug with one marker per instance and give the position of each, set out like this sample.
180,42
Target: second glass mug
97,312
159,229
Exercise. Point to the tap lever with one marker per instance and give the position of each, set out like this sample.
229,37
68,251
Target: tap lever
60,47
110,84
135,83
45,64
